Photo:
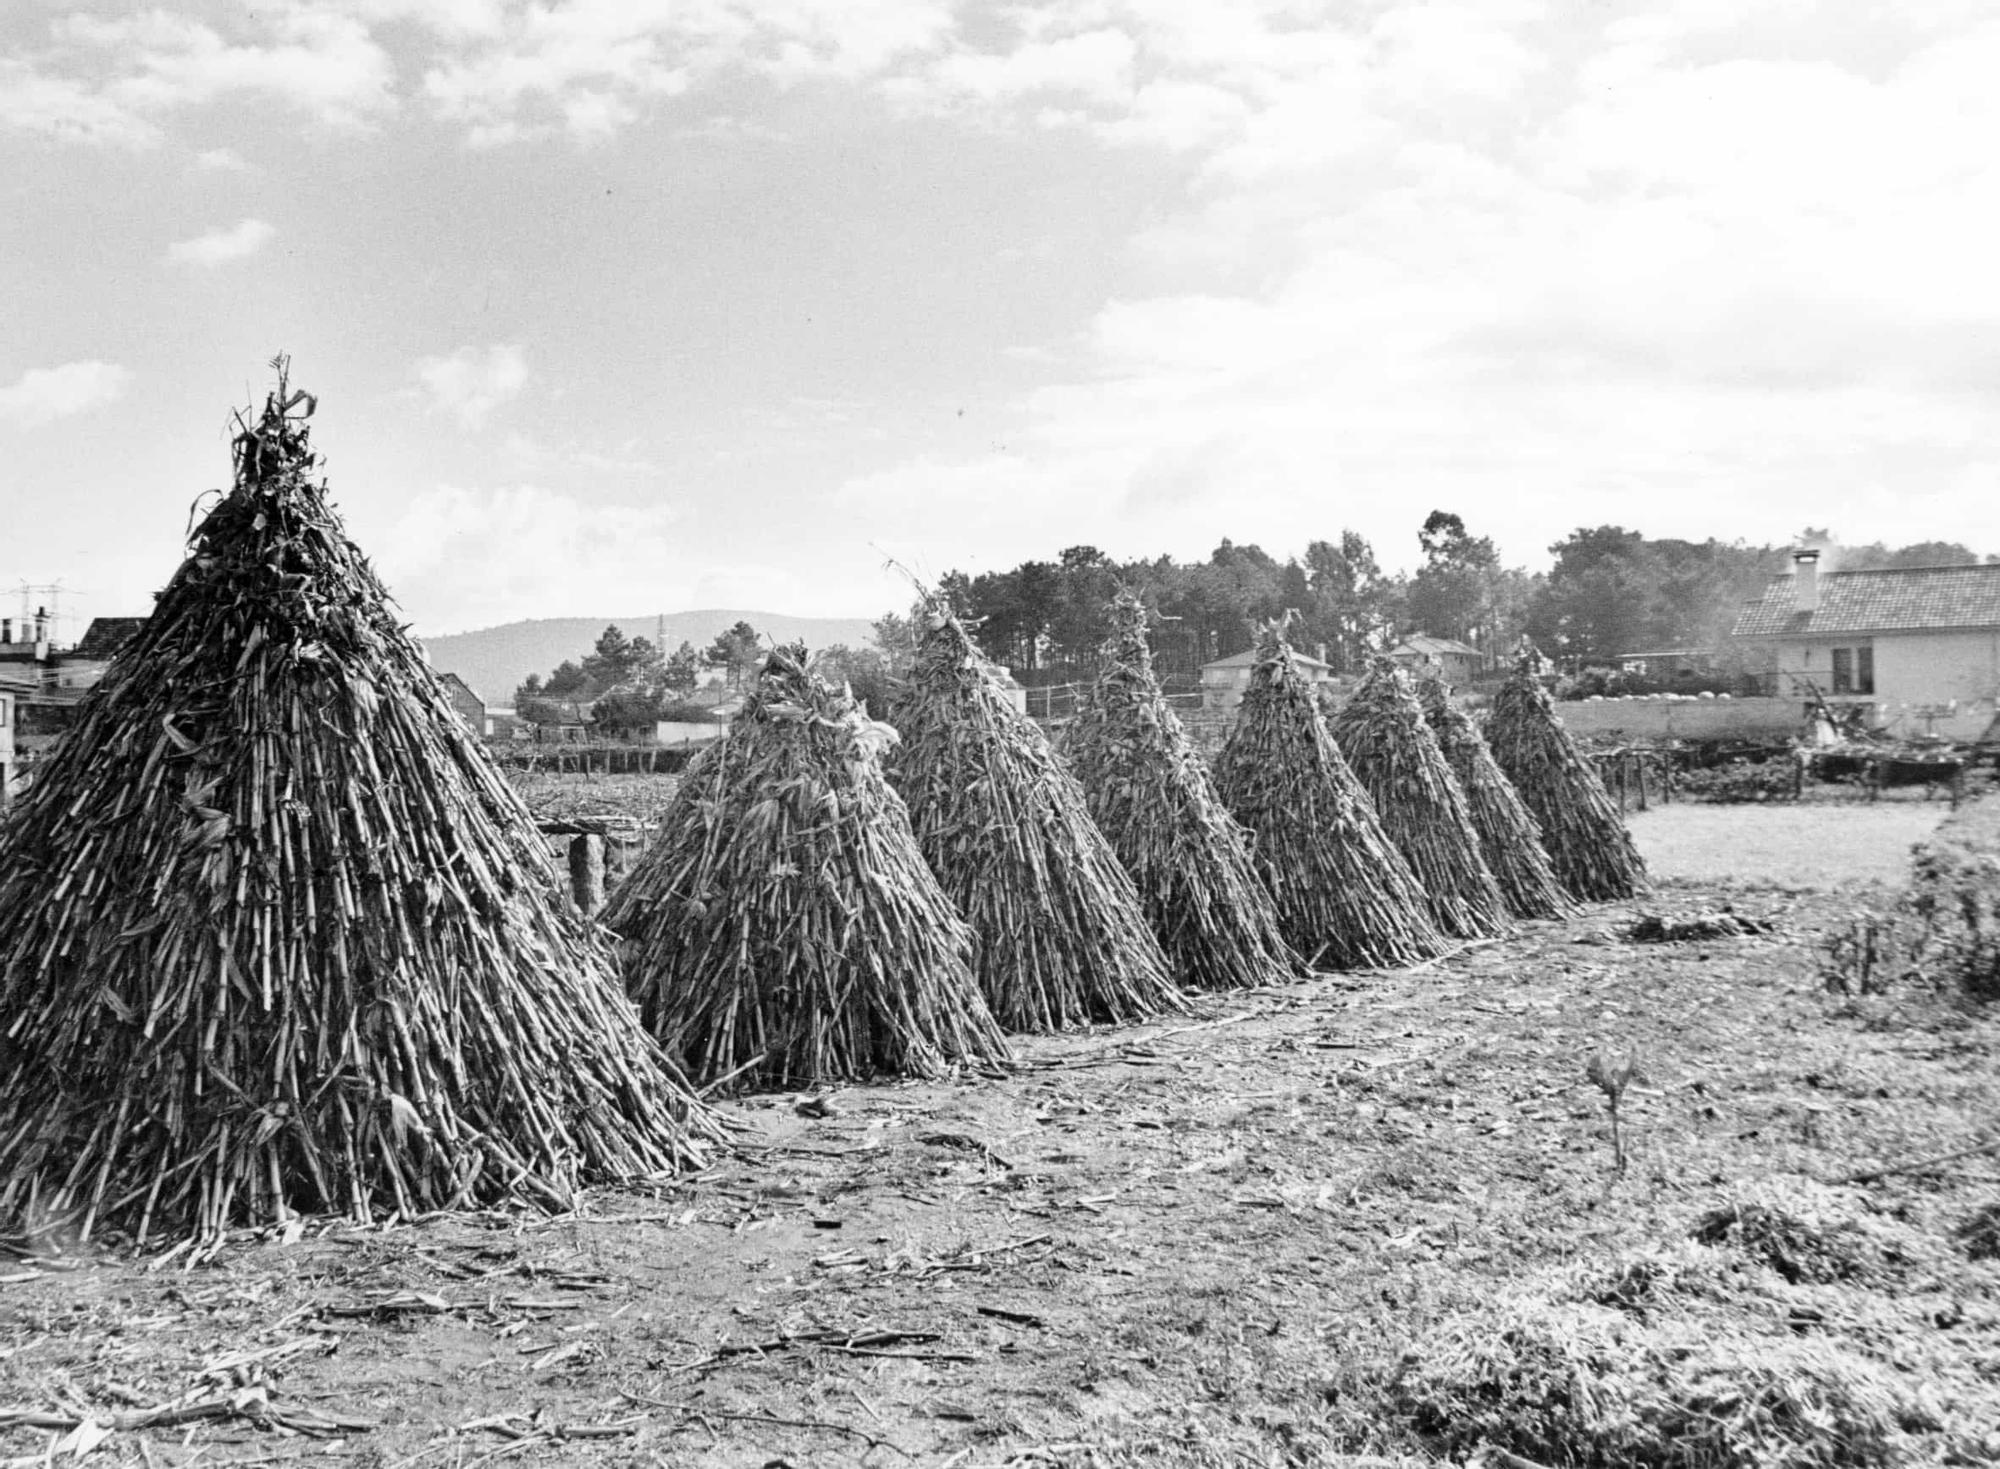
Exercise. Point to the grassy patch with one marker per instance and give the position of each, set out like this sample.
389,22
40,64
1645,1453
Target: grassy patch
1793,847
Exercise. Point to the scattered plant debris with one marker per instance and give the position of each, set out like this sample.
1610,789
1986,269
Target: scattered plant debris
1796,1248
1659,928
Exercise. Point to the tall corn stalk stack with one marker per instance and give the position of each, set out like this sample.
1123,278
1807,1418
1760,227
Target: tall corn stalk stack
1588,845
1509,838
1059,938
783,930
276,936
1381,731
1345,896
1150,794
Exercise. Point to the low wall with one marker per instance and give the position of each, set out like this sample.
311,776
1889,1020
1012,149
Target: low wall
1683,719
686,732
1207,729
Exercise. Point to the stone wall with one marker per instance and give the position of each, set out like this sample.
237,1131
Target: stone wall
1683,719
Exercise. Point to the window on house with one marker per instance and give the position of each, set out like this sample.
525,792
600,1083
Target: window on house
1854,670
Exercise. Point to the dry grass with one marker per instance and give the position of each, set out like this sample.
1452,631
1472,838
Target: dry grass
1795,847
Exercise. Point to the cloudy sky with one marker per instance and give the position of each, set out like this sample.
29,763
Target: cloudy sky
614,306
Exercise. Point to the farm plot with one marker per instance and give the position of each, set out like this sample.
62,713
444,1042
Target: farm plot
1374,1215
1808,846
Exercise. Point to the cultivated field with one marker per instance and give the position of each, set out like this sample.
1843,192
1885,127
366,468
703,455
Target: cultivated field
1363,1219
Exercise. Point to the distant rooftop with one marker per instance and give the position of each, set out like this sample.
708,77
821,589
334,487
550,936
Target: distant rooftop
106,635
1249,656
1908,599
1423,642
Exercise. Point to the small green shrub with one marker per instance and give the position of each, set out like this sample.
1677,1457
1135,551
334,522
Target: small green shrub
1944,930
1740,781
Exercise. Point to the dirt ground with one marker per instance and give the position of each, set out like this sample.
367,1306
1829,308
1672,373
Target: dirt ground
1228,1240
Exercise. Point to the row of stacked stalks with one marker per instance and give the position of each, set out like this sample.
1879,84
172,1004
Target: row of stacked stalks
277,937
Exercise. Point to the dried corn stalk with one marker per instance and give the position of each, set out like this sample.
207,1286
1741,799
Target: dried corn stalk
783,930
1588,845
1059,939
1381,731
1346,897
275,934
1509,838
1150,794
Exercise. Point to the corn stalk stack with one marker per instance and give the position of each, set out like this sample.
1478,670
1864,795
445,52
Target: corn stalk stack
1152,796
1381,731
277,937
1591,851
1345,896
1509,838
783,930
1059,938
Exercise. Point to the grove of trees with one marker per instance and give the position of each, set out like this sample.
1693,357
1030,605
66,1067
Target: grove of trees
625,683
1611,592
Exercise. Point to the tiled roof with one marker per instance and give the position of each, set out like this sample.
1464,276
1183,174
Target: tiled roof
106,635
1918,599
1249,656
449,677
1423,642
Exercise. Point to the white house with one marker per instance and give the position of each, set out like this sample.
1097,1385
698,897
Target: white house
1224,680
1458,662
1920,647
6,748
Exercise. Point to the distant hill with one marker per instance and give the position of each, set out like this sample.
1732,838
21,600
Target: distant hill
494,660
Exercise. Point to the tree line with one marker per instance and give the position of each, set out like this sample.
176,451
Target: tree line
1610,593
626,682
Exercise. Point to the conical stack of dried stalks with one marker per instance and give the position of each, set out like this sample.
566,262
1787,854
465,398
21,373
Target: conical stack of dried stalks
1346,897
1150,794
1059,938
1509,838
1591,851
276,937
1381,731
783,930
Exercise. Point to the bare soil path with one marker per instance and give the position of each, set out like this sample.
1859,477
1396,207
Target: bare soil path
1214,1241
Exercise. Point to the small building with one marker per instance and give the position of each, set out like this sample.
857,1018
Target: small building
1224,680
1015,690
84,665
1458,662
1918,647
6,747
469,706
1669,664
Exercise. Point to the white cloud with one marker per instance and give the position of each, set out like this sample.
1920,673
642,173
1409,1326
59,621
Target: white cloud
310,58
471,382
66,110
43,394
1733,287
466,557
594,67
1095,65
220,246
111,81
220,160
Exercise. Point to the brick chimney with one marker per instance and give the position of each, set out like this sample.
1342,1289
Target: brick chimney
1805,581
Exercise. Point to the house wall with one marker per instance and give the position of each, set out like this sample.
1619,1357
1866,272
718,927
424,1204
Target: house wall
470,709
682,732
1682,719
1915,672
1222,688
6,748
